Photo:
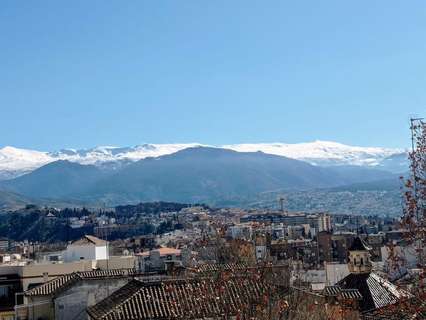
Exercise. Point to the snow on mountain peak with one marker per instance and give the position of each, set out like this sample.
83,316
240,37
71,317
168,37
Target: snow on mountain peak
21,159
321,152
15,161
102,154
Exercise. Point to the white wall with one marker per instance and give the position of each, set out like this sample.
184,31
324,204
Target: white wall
86,252
76,253
102,253
335,272
71,304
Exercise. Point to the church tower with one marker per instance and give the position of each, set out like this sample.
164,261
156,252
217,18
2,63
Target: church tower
371,291
359,257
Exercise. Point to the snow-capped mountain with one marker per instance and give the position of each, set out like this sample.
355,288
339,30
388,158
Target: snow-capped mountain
323,153
100,155
15,162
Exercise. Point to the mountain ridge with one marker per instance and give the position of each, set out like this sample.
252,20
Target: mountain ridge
15,162
193,175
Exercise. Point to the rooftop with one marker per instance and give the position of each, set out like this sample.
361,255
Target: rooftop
56,285
336,291
195,298
89,240
163,252
359,245
217,267
376,291
410,309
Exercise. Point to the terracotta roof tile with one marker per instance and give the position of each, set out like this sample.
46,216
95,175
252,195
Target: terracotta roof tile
89,240
162,251
56,285
215,267
410,309
195,298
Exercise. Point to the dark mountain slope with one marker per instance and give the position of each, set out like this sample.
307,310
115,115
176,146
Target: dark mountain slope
10,200
195,175
207,174
55,180
358,174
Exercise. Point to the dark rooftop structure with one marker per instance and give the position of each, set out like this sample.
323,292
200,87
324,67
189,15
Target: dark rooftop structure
336,291
376,291
359,245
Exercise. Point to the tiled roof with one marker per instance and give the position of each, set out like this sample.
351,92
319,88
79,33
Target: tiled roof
89,240
95,274
195,298
215,267
60,283
351,294
376,291
162,251
332,290
410,309
336,291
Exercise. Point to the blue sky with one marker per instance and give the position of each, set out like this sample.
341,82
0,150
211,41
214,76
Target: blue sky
85,73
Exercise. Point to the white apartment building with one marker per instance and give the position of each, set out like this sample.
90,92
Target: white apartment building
87,248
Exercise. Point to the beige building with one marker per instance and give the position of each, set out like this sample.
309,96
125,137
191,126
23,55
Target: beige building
15,279
163,259
66,297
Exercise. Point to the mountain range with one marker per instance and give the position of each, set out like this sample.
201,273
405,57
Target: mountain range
15,162
216,176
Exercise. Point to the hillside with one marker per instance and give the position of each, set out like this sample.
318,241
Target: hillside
193,175
381,197
15,162
55,180
10,200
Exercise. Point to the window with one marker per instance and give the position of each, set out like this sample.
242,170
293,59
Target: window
4,291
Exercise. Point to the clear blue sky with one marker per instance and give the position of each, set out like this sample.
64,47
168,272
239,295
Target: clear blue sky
86,73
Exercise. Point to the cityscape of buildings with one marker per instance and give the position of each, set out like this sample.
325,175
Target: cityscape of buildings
341,262
212,160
